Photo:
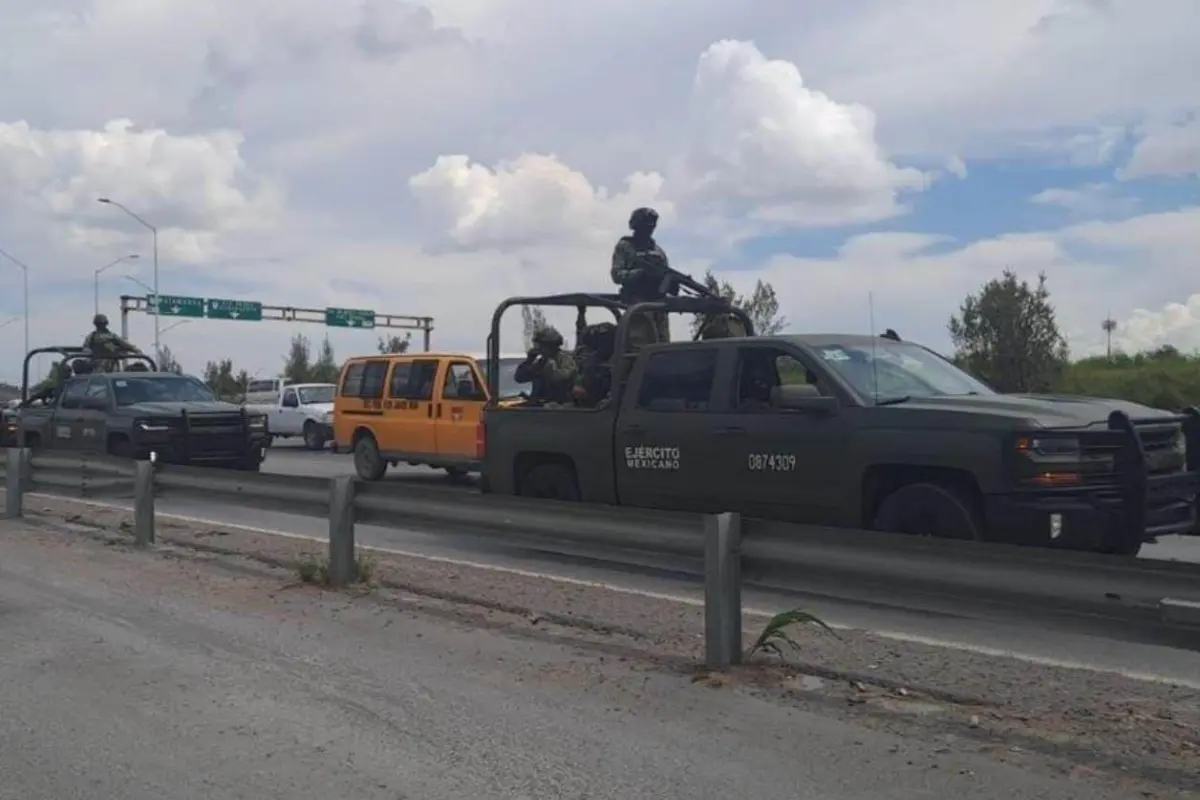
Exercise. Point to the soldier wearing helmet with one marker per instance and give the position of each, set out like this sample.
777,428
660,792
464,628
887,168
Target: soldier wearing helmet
105,347
550,369
637,267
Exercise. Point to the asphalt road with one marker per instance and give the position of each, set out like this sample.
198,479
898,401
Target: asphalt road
127,675
938,621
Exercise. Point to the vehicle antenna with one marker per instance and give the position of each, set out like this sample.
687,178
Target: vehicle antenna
874,360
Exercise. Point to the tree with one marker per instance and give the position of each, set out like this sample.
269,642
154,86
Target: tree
219,377
297,367
762,306
167,362
394,344
325,370
1008,336
532,320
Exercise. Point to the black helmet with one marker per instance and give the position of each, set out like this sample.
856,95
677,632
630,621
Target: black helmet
100,321
548,337
643,219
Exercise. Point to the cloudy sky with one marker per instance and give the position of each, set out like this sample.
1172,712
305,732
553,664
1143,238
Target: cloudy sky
432,159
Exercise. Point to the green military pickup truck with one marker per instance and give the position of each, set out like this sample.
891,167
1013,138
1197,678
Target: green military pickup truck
139,411
850,431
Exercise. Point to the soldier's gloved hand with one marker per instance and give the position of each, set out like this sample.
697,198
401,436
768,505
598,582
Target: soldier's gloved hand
532,354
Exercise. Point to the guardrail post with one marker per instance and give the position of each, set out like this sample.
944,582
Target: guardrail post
341,531
722,590
143,503
15,461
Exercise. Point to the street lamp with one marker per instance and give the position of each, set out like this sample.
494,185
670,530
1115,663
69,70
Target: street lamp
25,275
140,283
130,257
154,234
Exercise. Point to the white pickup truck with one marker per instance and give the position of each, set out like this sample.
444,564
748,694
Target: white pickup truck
302,409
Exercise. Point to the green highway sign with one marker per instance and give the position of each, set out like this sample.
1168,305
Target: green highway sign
349,318
171,306
234,309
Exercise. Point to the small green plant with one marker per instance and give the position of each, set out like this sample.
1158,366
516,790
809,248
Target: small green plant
775,635
313,569
364,567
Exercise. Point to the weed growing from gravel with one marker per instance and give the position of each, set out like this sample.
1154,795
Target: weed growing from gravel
315,569
774,637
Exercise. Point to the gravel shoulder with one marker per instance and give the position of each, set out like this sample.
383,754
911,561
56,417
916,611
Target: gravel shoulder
1138,736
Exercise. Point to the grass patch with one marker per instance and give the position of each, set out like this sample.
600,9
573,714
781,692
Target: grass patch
314,568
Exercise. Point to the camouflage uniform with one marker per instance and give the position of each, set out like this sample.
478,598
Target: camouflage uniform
551,370
631,259
105,347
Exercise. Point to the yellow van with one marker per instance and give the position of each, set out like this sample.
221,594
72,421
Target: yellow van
419,408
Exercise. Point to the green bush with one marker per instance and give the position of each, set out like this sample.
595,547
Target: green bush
1164,378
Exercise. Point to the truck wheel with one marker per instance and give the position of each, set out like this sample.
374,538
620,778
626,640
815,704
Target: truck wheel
550,482
120,447
926,509
313,439
369,465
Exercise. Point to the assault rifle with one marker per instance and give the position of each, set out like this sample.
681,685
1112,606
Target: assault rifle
662,280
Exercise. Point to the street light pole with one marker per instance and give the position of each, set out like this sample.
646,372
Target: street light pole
154,234
25,276
110,265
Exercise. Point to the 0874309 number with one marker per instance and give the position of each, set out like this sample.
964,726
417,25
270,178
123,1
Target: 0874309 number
771,462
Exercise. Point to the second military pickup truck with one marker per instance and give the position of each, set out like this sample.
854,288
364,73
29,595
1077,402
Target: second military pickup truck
859,432
134,413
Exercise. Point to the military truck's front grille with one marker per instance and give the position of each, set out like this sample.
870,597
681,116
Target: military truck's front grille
1158,442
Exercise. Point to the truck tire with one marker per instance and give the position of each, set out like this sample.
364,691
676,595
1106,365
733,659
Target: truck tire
369,465
927,509
313,440
550,482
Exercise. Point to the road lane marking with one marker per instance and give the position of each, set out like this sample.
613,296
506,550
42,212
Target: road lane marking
693,602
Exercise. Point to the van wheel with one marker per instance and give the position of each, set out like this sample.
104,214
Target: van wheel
550,482
926,509
369,465
313,439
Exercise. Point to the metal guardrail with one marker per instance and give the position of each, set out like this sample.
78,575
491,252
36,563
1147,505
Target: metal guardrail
1158,600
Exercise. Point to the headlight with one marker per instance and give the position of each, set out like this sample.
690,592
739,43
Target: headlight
150,426
1180,443
327,418
258,423
1049,446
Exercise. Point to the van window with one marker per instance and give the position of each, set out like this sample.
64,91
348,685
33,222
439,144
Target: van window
421,375
352,383
401,372
678,380
460,383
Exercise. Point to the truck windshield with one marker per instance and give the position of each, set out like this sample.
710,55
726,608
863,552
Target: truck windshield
509,387
160,389
316,394
898,369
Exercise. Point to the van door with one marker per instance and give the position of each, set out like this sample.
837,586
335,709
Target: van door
458,409
408,424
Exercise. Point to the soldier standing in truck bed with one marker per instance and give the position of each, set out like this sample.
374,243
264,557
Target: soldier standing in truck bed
638,264
105,347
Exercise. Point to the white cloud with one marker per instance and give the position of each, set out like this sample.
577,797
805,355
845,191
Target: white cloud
1088,200
1177,324
1171,151
767,147
192,187
764,150
530,201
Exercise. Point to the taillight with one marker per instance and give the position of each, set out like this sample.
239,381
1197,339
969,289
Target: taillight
480,440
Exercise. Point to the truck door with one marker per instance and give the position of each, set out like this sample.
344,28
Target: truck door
93,415
780,463
457,409
67,422
663,459
288,415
